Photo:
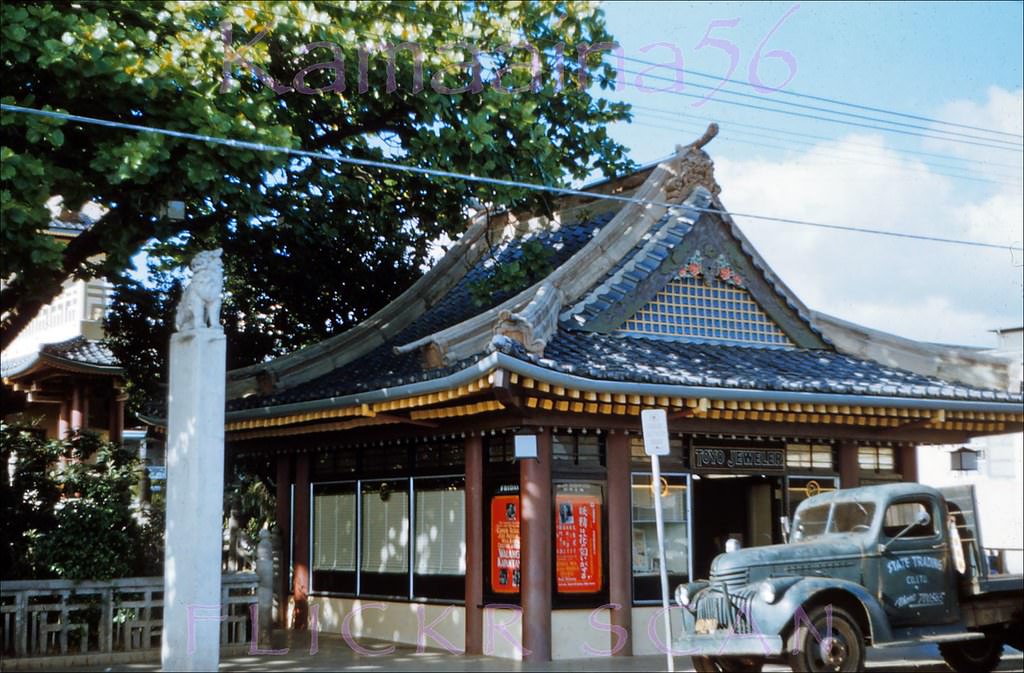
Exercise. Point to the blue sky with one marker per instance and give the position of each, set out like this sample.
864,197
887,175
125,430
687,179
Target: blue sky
955,62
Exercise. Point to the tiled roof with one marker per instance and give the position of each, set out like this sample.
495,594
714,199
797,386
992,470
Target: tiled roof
75,351
73,225
623,358
82,350
664,361
383,367
645,259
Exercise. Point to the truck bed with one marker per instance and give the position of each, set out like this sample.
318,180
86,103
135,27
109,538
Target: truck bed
988,585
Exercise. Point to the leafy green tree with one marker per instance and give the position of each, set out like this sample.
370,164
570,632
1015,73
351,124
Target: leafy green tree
68,510
311,246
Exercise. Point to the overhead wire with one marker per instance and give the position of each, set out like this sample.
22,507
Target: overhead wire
799,134
387,165
835,101
843,152
967,138
859,160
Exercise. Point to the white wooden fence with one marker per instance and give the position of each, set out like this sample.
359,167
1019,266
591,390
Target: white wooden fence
62,617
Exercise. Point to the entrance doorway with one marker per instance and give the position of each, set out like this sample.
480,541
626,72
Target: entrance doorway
743,507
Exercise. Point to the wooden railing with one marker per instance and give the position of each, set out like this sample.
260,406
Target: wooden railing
62,617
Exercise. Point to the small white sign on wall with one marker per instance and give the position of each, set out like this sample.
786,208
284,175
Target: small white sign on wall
526,446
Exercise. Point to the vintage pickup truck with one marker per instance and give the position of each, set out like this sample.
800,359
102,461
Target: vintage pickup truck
876,566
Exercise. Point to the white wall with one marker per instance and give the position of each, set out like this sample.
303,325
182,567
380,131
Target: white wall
77,310
999,480
370,625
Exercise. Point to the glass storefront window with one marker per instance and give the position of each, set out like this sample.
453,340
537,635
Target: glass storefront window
439,558
334,531
799,489
646,561
335,536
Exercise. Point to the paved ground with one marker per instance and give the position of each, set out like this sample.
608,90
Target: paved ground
335,655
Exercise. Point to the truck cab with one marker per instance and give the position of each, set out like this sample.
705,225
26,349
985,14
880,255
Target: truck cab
870,566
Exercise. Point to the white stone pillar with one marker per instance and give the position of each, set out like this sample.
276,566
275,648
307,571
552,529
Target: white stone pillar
195,477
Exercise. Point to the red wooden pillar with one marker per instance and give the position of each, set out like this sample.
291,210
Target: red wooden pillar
849,466
475,545
284,513
300,566
76,408
620,540
535,540
117,418
907,457
63,425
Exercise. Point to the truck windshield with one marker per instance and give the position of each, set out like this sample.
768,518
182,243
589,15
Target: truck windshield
840,517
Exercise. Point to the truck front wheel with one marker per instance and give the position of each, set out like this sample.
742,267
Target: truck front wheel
821,649
973,656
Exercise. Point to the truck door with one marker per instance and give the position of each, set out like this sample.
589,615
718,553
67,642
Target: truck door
916,578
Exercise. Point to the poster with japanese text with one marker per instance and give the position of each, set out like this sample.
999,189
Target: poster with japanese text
578,543
505,544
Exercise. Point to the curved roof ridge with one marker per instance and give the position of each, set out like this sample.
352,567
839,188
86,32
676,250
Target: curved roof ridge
700,197
314,360
577,275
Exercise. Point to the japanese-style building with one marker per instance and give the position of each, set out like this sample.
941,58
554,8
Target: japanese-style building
400,498
59,375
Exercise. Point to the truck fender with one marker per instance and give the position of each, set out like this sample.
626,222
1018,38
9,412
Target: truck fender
823,590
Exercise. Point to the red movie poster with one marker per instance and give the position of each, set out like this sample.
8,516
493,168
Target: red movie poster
505,544
578,543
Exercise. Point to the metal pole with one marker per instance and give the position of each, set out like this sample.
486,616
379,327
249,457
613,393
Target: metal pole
659,523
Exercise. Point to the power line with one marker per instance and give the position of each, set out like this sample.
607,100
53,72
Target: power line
833,156
835,101
434,172
675,113
854,153
806,115
967,138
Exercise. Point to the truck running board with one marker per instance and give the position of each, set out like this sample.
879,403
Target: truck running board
935,638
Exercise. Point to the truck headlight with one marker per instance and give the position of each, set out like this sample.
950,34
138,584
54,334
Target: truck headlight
682,596
766,592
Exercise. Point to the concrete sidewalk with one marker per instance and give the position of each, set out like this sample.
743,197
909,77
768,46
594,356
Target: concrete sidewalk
334,654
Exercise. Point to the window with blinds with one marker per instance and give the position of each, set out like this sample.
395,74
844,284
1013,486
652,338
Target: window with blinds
334,532
385,529
876,458
440,531
813,456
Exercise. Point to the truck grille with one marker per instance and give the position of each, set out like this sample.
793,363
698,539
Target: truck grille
729,611
732,579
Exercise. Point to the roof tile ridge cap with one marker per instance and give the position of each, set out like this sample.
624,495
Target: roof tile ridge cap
464,246
662,232
536,321
773,278
472,326
928,348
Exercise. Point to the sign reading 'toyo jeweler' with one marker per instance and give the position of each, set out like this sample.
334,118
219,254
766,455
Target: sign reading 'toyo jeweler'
754,460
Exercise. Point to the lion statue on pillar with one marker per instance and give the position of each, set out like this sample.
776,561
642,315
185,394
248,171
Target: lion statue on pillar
200,302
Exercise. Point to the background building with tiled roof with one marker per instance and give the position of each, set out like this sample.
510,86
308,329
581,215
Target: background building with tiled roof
58,374
394,445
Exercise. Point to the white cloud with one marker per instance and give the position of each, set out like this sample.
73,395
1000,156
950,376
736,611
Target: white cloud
923,290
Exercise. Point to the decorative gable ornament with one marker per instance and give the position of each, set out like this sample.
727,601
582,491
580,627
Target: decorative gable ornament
699,266
693,168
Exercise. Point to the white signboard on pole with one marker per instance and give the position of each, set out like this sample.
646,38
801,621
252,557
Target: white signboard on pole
655,428
655,425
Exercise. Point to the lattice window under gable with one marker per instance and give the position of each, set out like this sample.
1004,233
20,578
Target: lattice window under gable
690,308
